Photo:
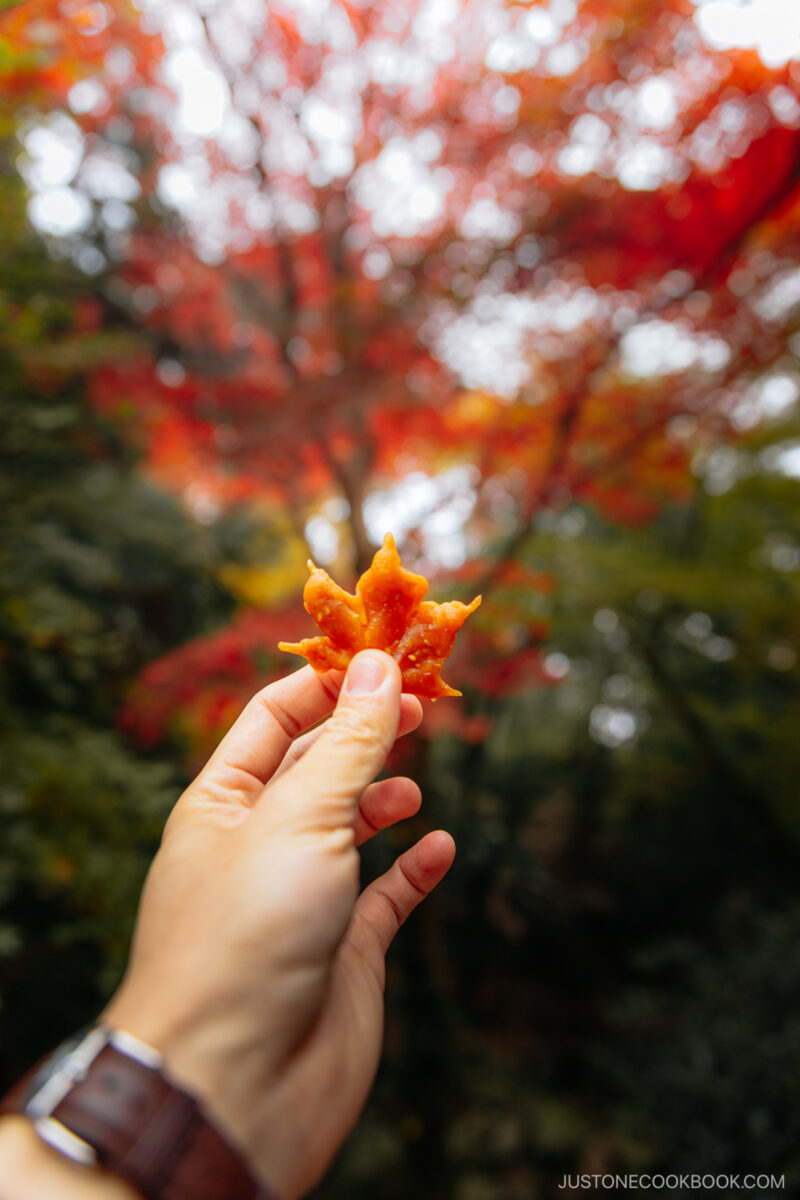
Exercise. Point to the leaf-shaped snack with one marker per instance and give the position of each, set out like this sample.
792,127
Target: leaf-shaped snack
388,612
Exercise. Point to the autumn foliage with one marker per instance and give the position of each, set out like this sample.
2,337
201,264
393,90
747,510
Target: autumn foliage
553,192
518,283
303,336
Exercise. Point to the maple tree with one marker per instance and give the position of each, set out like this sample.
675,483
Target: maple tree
317,342
548,252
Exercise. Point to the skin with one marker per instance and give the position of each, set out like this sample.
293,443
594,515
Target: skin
257,966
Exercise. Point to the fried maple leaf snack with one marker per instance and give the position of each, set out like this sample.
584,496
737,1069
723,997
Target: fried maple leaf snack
388,612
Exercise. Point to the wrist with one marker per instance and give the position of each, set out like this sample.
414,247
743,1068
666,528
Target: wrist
199,1056
106,1099
31,1170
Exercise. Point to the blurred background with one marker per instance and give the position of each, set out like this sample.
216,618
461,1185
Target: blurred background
518,282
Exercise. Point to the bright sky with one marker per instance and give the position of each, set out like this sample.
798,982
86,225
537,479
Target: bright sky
438,507
771,26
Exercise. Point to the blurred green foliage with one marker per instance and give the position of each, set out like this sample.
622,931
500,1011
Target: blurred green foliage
606,980
100,572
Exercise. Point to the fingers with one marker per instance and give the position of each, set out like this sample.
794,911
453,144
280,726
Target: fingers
322,790
384,804
385,904
253,748
410,719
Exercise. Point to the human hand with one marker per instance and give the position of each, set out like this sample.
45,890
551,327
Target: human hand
257,968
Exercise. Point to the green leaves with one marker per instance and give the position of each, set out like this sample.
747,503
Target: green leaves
99,572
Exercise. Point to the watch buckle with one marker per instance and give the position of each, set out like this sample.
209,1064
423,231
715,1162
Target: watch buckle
46,1100
73,1070
65,1141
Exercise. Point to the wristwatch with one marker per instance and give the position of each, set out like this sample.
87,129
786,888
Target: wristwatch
103,1098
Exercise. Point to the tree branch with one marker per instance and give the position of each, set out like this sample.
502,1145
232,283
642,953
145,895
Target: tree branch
576,399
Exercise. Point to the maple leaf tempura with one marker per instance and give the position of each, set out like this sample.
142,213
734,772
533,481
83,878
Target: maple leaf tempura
387,612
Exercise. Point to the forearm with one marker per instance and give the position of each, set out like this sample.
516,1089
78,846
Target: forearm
31,1170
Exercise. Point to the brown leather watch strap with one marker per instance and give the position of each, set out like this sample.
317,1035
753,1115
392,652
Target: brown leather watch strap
148,1131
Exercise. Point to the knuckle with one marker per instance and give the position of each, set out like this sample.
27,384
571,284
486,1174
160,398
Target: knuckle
398,913
268,699
359,725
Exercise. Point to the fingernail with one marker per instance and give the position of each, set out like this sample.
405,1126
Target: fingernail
365,674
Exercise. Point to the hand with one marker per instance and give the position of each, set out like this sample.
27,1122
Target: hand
257,969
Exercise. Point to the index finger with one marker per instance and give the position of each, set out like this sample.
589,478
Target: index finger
255,744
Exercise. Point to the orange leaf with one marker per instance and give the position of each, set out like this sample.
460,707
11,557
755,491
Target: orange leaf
388,612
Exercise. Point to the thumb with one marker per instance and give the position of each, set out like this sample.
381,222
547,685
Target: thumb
322,790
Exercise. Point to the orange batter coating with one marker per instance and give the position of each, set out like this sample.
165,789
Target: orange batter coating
388,612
